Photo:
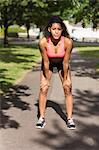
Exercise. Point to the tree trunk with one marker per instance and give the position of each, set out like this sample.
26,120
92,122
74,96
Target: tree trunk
5,26
28,36
28,27
5,35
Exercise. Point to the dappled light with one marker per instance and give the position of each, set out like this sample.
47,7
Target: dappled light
12,99
83,65
86,107
16,59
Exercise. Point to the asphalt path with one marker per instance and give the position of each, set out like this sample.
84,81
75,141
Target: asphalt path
20,110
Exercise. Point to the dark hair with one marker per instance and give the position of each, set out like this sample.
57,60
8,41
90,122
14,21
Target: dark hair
56,19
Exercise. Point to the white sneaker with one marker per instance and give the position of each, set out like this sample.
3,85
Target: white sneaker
71,124
41,123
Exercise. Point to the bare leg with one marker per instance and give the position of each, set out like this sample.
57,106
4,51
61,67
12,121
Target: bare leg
68,95
43,95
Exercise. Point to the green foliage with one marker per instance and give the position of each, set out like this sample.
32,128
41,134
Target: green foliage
86,11
38,12
16,29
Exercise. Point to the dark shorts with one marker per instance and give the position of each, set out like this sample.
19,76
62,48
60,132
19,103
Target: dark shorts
55,64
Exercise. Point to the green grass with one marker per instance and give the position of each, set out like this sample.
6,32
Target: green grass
90,52
14,62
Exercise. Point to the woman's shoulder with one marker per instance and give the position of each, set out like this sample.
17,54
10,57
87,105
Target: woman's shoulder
68,41
43,41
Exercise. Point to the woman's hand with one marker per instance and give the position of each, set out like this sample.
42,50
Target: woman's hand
44,83
67,82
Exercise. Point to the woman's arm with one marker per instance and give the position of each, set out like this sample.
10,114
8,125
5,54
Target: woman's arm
68,45
42,47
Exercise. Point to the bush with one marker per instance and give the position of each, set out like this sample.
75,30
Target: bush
13,34
16,28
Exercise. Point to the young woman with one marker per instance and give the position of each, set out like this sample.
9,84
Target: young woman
55,48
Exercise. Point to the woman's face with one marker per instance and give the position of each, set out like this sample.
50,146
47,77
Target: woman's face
55,30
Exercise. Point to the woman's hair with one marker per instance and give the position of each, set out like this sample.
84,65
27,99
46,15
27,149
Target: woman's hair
56,19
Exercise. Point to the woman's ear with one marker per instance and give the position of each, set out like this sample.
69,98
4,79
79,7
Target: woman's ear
49,29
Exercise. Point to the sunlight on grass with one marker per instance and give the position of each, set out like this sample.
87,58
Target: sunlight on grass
97,68
14,62
89,51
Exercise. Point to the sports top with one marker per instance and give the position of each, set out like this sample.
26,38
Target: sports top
60,53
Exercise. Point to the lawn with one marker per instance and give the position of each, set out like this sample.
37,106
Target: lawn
90,52
15,61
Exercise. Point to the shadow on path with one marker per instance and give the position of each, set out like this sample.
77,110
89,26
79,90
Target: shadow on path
86,103
12,99
56,107
85,137
83,66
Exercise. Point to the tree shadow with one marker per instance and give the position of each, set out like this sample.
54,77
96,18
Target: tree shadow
9,55
85,137
86,103
84,67
56,107
4,85
23,41
12,99
37,67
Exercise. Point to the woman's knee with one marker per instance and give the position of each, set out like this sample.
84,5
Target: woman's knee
67,90
44,85
44,90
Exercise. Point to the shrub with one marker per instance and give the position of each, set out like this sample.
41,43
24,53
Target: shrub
13,34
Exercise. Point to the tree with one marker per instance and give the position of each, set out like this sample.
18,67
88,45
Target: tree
20,12
9,13
86,11
27,12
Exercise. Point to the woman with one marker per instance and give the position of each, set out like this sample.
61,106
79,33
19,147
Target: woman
55,48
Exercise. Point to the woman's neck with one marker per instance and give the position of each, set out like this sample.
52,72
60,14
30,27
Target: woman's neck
55,41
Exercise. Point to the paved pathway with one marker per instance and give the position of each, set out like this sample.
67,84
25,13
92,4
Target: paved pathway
19,113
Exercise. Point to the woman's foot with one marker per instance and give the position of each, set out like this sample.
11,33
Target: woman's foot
41,123
71,124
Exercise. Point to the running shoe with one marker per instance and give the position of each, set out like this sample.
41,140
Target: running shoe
41,123
71,124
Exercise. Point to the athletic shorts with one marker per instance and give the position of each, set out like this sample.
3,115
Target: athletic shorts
55,64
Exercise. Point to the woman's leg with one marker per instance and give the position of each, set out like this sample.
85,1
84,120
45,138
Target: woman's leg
43,93
68,94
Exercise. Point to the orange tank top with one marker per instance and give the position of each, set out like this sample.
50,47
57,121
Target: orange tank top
51,53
